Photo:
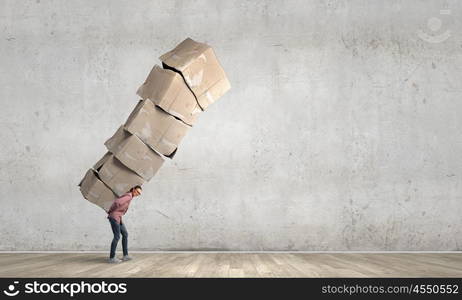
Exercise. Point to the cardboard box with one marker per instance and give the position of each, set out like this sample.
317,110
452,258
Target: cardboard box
114,143
200,69
116,175
168,90
134,154
156,128
95,191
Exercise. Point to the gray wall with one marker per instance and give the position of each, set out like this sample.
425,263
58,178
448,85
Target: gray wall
342,130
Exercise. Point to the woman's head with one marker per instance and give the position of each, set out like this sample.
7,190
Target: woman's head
136,190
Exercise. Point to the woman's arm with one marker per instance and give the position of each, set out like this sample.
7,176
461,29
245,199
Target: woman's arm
114,206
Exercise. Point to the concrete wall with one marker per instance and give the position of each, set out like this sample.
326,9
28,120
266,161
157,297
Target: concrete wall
342,130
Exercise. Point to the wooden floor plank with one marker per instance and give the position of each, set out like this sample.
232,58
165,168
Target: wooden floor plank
223,264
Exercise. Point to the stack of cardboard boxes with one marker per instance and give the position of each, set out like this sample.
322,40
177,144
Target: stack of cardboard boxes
190,79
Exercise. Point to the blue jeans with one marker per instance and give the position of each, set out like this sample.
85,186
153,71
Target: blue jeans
117,229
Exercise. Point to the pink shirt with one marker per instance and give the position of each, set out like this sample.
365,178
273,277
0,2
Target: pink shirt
120,206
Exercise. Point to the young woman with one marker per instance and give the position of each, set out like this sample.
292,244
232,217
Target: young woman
115,213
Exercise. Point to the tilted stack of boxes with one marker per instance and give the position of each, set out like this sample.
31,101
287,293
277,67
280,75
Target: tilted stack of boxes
190,79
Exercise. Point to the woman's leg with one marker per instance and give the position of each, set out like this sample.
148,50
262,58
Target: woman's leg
124,232
116,231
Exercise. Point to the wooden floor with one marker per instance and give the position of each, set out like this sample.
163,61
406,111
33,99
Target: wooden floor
190,264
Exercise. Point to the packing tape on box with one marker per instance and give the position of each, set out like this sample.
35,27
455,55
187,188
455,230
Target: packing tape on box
196,80
93,194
